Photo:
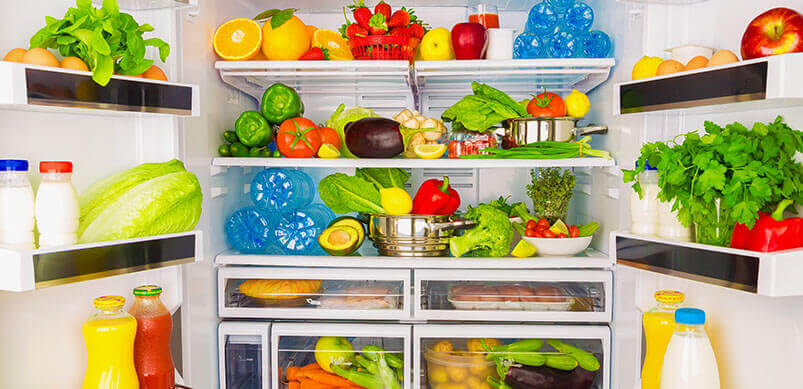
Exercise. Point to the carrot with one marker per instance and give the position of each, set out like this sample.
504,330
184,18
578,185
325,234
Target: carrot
324,377
307,383
291,373
312,366
293,385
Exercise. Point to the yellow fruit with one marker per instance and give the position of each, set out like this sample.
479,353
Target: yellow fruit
15,55
437,374
697,62
328,151
155,73
258,57
444,346
457,373
287,42
668,67
559,228
646,67
396,201
332,41
238,39
577,104
523,250
478,365
40,56
451,385
74,63
437,45
433,151
475,344
723,57
477,383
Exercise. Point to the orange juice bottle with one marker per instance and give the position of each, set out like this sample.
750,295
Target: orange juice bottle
659,325
109,337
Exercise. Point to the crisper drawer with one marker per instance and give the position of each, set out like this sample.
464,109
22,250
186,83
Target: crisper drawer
305,293
380,351
455,356
244,354
522,295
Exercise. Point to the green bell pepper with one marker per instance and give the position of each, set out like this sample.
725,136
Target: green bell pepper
281,102
253,129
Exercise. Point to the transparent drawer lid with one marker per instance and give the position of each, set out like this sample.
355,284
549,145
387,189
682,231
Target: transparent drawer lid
243,360
323,294
580,296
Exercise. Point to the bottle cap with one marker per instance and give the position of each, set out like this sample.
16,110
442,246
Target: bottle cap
690,316
55,167
13,165
669,296
109,302
148,290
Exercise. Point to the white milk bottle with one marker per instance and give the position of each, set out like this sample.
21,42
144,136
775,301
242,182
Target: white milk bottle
644,209
57,207
16,205
669,226
689,362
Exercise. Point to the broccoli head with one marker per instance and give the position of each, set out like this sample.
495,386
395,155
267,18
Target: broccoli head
491,237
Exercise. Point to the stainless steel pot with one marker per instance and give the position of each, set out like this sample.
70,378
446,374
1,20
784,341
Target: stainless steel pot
521,131
414,235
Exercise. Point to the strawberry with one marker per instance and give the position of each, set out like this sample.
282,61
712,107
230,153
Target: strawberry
315,54
400,18
416,30
383,8
414,42
354,30
378,25
403,31
361,13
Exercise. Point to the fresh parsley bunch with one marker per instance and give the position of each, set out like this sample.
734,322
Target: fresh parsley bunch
747,170
551,191
106,39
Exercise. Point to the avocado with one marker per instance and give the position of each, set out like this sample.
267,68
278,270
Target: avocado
353,223
339,240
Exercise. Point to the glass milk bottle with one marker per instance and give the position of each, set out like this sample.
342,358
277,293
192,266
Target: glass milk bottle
644,209
689,362
16,205
57,208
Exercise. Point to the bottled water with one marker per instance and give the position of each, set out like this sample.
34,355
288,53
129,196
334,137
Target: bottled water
561,4
542,20
528,46
250,230
578,18
562,45
280,190
297,231
595,44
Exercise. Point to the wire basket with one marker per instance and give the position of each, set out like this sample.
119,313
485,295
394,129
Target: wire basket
382,47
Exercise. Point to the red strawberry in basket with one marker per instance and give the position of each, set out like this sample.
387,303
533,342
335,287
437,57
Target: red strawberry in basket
361,13
399,31
383,8
378,25
354,30
400,18
416,30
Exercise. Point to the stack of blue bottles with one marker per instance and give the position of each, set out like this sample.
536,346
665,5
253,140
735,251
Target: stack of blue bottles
283,219
561,29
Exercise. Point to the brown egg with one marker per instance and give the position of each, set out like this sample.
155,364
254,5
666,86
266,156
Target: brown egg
668,67
722,57
155,73
15,55
40,56
697,62
74,63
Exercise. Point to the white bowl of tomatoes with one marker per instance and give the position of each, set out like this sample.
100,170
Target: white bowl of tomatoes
549,243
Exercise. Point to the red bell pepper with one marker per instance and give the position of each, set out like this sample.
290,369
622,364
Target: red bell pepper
436,197
771,232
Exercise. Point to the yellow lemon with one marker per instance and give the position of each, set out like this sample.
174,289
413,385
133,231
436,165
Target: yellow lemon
559,228
577,104
523,250
396,201
646,67
332,41
433,151
287,42
328,151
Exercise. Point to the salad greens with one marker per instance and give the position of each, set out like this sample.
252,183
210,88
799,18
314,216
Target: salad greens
384,178
487,107
360,193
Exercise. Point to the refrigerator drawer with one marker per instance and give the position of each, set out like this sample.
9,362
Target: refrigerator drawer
522,295
298,345
304,293
244,355
451,355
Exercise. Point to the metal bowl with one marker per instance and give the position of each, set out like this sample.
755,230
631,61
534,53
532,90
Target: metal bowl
413,235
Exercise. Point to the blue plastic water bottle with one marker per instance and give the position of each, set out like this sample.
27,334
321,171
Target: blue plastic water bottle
595,44
561,4
250,230
578,18
542,20
280,190
297,231
562,45
528,46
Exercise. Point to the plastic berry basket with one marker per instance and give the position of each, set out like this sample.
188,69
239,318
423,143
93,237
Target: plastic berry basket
382,47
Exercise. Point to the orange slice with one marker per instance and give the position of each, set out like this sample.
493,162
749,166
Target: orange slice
238,39
338,47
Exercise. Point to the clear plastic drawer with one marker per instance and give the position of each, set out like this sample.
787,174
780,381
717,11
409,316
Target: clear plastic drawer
244,355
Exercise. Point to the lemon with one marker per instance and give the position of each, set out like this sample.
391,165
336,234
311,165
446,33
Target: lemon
328,151
396,201
559,228
338,47
523,250
577,104
287,42
433,151
646,67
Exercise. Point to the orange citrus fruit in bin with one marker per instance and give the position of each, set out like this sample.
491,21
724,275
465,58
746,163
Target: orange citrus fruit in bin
238,39
287,42
338,47
40,56
311,30
74,63
155,73
15,55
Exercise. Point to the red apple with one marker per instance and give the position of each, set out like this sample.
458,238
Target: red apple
777,31
469,40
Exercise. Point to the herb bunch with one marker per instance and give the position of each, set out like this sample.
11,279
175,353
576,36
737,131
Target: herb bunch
551,191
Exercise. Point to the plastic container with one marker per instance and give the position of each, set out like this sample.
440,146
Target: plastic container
297,232
659,325
561,4
500,44
595,44
564,44
250,230
382,47
282,190
542,19
528,46
578,19
57,207
690,362
109,337
644,209
485,14
152,358
16,206
470,143
459,368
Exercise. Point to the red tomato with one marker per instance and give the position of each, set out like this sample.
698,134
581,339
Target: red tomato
574,232
538,234
529,233
532,224
549,234
329,136
543,223
562,235
547,105
298,138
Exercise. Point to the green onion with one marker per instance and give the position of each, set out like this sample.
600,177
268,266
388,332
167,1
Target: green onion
544,150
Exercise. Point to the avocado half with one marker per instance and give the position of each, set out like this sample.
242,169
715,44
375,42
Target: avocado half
353,223
339,240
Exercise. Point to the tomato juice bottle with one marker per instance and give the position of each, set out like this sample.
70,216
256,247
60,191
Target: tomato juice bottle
152,358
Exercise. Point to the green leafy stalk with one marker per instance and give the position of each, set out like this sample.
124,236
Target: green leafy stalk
551,191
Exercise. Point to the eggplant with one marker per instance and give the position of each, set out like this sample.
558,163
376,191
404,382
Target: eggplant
374,138
544,377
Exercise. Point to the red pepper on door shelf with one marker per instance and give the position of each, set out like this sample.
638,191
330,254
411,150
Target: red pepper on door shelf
771,232
436,197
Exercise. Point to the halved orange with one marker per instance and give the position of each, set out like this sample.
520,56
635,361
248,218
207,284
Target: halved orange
238,39
338,47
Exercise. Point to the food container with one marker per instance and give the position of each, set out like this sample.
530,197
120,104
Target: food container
471,143
558,246
382,47
521,131
507,298
279,293
463,369
685,53
413,235
500,44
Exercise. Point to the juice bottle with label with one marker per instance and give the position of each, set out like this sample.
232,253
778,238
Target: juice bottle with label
109,337
659,325
152,357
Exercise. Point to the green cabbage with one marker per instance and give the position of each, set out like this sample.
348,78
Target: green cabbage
150,199
343,116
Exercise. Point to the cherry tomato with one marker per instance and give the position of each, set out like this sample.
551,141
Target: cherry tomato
562,236
549,234
538,234
298,138
574,232
543,223
329,136
532,224
548,105
529,233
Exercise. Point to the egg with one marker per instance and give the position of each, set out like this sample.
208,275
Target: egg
723,57
668,67
74,63
697,62
15,55
155,73
40,56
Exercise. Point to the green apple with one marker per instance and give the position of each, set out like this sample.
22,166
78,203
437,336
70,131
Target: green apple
332,349
437,45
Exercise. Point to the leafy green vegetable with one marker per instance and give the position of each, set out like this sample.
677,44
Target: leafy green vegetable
343,116
588,229
491,237
106,39
550,191
384,178
482,110
502,205
344,194
502,97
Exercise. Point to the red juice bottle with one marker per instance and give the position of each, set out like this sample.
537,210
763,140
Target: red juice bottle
152,357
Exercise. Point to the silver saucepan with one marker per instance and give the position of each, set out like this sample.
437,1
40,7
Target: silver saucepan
414,235
521,131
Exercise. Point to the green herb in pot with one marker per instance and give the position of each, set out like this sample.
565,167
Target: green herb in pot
551,191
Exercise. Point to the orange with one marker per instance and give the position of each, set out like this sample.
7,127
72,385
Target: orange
155,73
697,62
74,63
288,42
668,67
258,57
40,56
15,55
332,41
238,39
311,30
